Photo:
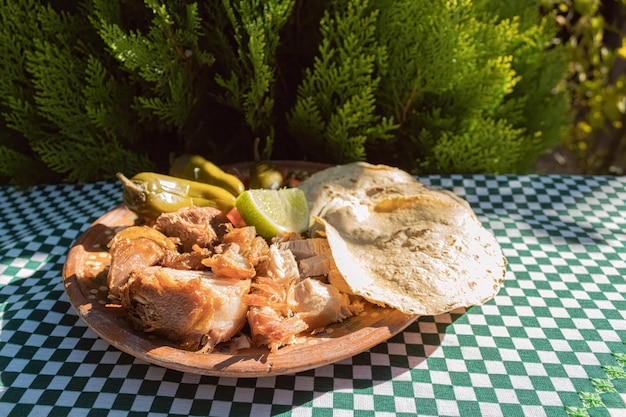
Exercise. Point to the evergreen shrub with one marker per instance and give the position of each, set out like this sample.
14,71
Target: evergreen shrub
92,87
595,32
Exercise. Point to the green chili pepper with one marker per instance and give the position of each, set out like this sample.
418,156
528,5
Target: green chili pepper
197,168
265,175
151,194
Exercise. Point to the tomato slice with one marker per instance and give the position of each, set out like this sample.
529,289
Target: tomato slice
235,218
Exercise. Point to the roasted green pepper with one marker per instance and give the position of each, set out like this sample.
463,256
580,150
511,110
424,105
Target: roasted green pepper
151,194
197,168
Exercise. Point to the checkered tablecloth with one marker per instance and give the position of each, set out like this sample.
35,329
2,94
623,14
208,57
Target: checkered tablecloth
551,343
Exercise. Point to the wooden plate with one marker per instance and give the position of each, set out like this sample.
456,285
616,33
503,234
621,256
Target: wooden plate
84,276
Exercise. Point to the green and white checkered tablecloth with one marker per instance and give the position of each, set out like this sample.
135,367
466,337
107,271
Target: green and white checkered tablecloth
551,343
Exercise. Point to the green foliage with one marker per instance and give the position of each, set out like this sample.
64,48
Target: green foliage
161,61
47,90
93,87
595,33
335,113
475,93
249,85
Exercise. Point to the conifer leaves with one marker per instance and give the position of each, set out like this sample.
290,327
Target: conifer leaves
164,59
455,92
249,85
336,104
91,87
72,99
45,96
106,102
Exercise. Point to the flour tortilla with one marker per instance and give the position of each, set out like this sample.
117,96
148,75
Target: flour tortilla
398,243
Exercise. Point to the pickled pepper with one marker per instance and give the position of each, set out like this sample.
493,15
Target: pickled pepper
151,194
265,175
197,168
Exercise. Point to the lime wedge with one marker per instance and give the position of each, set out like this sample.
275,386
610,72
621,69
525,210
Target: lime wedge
274,211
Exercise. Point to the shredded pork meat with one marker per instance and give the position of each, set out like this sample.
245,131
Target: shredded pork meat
196,280
191,308
283,304
136,247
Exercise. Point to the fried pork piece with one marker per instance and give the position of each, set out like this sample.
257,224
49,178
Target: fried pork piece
271,328
240,252
251,246
313,256
283,305
202,226
319,304
306,248
186,260
194,309
230,263
135,247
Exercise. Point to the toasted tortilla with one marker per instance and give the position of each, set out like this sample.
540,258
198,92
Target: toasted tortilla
358,181
399,243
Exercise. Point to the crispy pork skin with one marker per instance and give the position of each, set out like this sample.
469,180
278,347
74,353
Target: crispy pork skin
191,308
239,253
186,260
135,247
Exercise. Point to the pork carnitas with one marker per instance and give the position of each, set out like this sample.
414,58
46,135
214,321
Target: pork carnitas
197,280
194,309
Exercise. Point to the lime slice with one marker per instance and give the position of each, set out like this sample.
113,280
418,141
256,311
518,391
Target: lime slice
274,211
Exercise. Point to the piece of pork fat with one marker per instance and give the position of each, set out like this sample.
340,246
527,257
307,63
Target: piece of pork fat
202,226
136,247
193,309
283,305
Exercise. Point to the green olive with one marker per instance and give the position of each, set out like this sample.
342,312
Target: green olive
265,175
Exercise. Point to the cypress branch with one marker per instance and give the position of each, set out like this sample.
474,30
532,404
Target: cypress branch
336,104
467,74
249,85
100,86
48,103
162,60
